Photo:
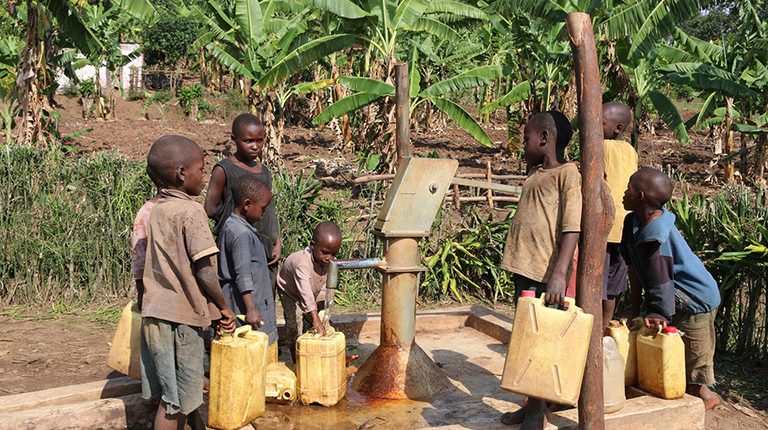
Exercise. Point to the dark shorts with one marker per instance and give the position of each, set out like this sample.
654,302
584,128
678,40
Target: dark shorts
523,283
699,339
172,364
615,274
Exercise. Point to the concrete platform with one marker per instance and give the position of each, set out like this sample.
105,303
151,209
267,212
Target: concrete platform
468,343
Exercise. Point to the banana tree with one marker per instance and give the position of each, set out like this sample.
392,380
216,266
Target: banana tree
642,84
266,45
52,25
728,80
367,91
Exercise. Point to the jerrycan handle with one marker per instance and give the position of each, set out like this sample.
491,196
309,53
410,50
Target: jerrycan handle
568,300
242,331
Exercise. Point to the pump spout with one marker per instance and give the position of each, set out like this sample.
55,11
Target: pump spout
333,278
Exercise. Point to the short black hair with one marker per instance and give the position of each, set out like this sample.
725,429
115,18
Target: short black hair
617,112
168,154
655,185
556,124
249,187
243,120
325,229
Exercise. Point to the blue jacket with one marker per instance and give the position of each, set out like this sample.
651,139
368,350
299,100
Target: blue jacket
665,263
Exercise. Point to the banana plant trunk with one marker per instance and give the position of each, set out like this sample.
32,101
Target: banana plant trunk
728,140
29,130
760,166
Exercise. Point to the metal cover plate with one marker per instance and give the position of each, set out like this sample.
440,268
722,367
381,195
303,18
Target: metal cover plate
415,195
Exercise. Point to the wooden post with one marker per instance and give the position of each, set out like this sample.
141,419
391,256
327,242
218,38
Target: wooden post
596,214
456,200
403,110
489,178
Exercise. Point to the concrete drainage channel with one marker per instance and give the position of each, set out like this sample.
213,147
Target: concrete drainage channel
467,343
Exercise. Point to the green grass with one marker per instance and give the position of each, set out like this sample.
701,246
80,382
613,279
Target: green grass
65,224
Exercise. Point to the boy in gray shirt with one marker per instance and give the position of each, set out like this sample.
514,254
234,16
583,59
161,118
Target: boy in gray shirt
243,271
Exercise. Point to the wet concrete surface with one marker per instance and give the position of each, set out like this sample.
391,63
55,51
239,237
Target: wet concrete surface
472,360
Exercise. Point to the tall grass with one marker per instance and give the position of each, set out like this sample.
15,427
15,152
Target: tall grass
65,224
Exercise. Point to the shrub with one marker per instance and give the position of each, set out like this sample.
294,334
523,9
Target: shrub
87,88
167,42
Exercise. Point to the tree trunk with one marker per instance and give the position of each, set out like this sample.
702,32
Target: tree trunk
728,136
274,132
29,130
760,160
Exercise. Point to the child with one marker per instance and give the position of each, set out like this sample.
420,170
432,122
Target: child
243,272
179,284
302,280
620,164
678,288
139,238
248,135
545,228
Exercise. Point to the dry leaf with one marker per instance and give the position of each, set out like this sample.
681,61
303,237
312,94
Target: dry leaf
2,353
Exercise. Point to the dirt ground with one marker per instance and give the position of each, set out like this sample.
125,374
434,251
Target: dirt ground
42,349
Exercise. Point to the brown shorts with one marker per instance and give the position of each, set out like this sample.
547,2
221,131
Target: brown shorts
699,340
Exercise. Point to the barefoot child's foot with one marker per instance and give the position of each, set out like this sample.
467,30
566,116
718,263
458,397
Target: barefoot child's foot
703,392
515,417
536,415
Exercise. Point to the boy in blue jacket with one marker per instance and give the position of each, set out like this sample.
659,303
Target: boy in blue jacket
679,290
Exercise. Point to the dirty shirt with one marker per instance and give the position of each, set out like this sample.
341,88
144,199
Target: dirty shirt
177,236
243,269
139,240
303,279
550,205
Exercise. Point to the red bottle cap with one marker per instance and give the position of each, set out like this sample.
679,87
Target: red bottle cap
670,330
529,293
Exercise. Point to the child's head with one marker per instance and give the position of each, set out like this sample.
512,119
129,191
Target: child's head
177,162
546,133
616,118
325,243
248,135
251,196
647,189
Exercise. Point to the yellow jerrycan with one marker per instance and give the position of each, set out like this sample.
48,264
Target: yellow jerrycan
613,377
237,377
281,383
547,351
661,362
626,343
125,352
321,368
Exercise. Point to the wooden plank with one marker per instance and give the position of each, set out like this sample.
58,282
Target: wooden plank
108,388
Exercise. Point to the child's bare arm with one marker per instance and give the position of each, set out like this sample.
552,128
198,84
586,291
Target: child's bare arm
252,315
140,292
317,323
207,278
557,281
637,293
215,190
